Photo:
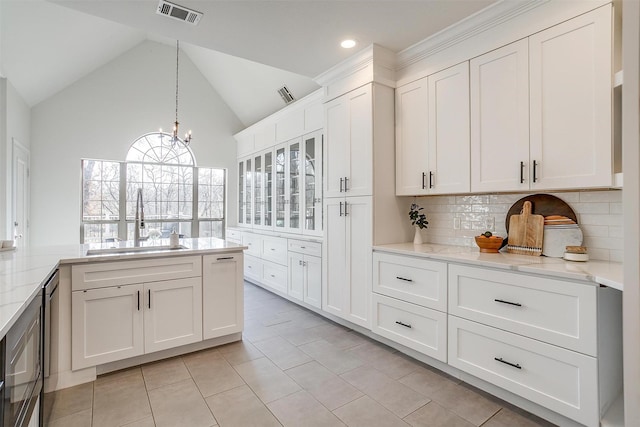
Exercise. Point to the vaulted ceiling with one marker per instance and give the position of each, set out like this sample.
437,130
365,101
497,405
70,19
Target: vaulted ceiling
246,49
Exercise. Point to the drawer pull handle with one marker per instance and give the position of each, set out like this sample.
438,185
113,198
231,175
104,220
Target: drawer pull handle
402,278
515,365
224,258
303,247
406,325
517,304
273,275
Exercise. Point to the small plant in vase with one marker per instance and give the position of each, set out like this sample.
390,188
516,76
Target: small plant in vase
419,221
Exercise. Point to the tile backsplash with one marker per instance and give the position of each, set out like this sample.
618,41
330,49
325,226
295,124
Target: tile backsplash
455,220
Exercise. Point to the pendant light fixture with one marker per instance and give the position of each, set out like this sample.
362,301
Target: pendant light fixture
187,136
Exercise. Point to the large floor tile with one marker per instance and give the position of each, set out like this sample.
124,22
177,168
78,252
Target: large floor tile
78,419
240,352
164,372
145,422
266,379
327,387
301,409
434,415
213,375
366,412
335,359
385,359
240,407
68,401
120,398
427,381
281,352
180,404
396,397
508,418
466,402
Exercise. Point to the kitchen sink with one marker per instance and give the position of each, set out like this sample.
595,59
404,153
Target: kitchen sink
140,249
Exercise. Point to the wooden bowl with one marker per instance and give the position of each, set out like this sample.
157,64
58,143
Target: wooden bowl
489,245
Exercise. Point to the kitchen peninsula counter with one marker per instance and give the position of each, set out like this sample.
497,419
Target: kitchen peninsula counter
599,272
24,270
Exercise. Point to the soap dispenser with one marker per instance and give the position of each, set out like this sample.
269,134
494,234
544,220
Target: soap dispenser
174,241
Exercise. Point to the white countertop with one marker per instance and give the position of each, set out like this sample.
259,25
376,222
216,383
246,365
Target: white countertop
601,272
24,270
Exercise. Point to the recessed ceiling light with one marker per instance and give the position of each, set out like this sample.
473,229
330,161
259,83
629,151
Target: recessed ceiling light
348,44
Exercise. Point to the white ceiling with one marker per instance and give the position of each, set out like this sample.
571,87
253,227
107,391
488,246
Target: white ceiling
245,49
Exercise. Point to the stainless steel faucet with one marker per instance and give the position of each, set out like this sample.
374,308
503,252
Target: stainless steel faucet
139,221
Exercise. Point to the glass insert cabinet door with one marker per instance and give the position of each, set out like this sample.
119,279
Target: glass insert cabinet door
280,187
294,187
248,184
258,204
312,168
268,189
241,200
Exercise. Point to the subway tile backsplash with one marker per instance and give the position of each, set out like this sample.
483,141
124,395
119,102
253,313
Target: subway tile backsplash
599,216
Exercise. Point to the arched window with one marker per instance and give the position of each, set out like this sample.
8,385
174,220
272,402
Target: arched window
177,195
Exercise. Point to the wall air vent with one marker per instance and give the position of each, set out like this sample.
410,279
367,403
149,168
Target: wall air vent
180,13
287,97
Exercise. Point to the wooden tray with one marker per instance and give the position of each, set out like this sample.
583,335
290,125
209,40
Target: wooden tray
542,204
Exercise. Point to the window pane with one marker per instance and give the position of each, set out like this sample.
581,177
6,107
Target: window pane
211,193
160,230
99,233
211,229
100,190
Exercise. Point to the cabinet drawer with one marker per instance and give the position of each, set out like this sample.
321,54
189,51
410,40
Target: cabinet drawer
234,236
555,311
275,276
307,248
414,280
416,327
252,268
274,249
253,242
106,274
556,378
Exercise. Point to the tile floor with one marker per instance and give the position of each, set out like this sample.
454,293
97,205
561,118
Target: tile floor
293,368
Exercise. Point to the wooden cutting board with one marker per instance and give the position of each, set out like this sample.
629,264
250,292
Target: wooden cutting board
526,232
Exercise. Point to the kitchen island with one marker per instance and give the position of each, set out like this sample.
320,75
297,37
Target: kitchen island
216,293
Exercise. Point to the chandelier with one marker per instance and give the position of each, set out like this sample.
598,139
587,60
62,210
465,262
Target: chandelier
174,137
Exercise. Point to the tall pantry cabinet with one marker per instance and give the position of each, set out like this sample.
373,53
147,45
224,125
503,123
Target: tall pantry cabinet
359,140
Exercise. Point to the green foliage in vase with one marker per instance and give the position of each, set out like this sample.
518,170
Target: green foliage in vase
417,218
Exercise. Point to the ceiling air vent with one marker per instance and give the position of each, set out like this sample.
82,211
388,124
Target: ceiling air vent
180,13
287,97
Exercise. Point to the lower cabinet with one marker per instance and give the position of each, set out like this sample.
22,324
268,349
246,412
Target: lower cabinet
305,278
119,322
222,295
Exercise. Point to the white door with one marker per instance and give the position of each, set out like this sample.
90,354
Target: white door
172,313
313,281
334,277
336,149
358,211
296,275
500,119
20,194
222,295
449,145
571,91
106,325
359,179
411,139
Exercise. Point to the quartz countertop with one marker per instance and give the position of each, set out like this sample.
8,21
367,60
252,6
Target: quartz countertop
24,270
600,272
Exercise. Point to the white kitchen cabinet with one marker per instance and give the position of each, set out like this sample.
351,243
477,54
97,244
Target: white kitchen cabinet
346,290
499,82
305,272
432,134
172,314
312,183
288,188
222,295
245,192
107,325
571,103
348,147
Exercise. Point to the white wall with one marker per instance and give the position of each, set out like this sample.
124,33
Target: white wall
4,161
100,116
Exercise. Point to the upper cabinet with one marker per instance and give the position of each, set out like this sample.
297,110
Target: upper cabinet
348,167
432,134
571,91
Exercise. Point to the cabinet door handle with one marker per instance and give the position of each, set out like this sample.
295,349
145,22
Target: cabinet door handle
224,258
345,184
149,293
299,262
340,208
406,325
341,179
515,365
517,304
402,278
423,177
138,300
273,249
521,172
535,171
345,209
430,179
303,247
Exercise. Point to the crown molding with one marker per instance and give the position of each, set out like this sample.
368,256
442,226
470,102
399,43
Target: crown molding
380,60
486,19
